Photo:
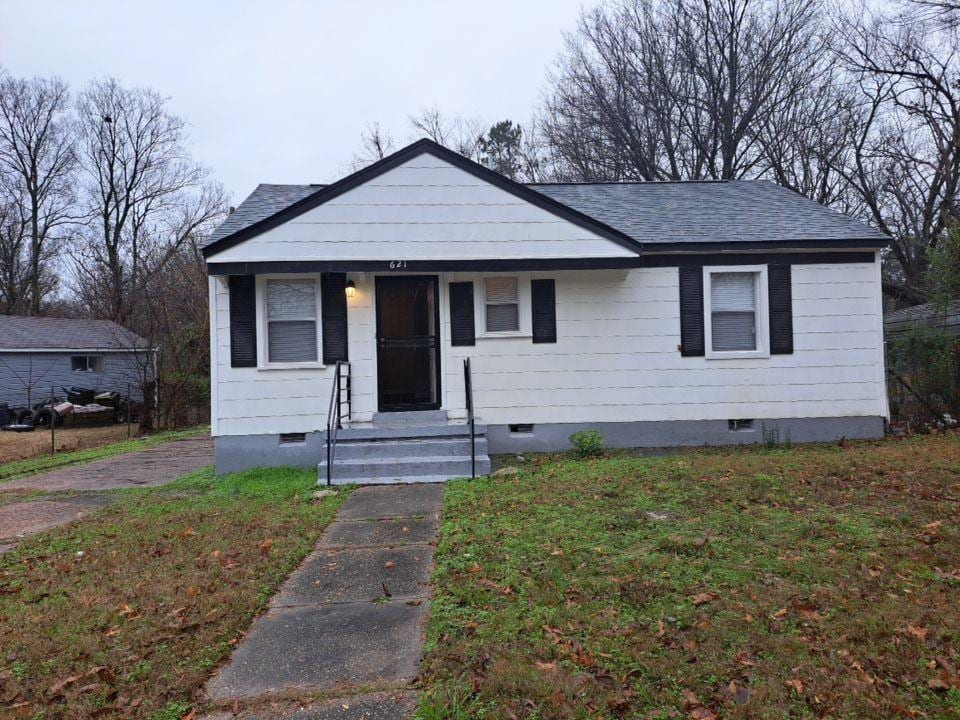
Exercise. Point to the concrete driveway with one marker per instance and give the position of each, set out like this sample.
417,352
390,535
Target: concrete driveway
144,468
71,492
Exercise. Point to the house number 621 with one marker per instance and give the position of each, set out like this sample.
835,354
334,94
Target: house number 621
398,264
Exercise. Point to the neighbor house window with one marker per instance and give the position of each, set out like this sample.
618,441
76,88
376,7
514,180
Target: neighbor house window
501,304
291,319
86,363
735,311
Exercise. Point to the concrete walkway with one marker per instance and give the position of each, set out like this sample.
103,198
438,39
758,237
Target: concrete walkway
347,625
144,468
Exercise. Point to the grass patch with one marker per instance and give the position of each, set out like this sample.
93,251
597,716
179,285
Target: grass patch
817,581
34,465
126,613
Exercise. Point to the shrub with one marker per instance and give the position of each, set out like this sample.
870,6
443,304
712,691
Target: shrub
587,443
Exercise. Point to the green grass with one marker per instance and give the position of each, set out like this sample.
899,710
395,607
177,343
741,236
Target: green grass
32,466
126,613
741,583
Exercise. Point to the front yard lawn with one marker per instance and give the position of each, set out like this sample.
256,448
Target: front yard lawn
812,582
125,614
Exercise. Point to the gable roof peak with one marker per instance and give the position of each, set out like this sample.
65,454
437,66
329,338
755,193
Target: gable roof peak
424,145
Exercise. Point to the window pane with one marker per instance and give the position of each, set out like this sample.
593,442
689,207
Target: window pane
95,363
78,363
503,318
501,289
733,291
291,299
734,331
292,341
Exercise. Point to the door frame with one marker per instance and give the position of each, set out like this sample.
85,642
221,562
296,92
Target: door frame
378,281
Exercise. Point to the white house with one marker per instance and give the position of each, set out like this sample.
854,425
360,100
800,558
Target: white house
660,314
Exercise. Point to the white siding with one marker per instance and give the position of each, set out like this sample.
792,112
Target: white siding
424,209
616,359
254,401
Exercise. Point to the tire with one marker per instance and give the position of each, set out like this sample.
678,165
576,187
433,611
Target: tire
44,416
27,417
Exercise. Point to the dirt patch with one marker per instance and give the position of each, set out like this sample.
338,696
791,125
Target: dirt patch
27,518
20,446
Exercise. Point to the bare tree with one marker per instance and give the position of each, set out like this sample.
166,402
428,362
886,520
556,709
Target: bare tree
904,162
14,263
460,134
145,197
173,365
650,90
37,161
375,144
944,12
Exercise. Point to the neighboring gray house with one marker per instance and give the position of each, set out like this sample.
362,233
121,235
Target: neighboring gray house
37,354
926,315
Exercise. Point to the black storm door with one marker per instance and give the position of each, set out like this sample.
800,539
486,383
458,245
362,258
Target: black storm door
408,342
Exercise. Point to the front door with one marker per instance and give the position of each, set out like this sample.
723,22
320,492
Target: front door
408,342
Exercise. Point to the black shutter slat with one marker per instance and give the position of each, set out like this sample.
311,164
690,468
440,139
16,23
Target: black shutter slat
462,331
333,299
243,321
544,303
779,287
691,311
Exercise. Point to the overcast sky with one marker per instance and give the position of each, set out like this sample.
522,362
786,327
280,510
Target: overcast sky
279,90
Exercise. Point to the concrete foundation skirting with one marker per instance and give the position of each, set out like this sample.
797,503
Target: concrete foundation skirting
550,437
234,453
242,452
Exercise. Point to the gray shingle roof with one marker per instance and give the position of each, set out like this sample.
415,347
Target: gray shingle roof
263,202
709,212
926,315
17,332
652,212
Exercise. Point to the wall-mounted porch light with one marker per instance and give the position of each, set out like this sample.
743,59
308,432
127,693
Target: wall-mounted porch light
351,289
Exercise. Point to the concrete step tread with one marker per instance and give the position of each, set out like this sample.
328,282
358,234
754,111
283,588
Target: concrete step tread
443,439
406,432
404,460
400,479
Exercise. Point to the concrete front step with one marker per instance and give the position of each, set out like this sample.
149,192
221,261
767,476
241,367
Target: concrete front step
406,432
415,417
412,447
403,469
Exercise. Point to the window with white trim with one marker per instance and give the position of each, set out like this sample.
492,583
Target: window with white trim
501,298
735,311
86,363
291,321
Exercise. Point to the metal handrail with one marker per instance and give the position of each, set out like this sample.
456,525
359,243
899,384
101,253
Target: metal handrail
335,412
468,390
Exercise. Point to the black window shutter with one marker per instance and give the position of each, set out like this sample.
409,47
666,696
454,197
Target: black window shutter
691,311
462,330
243,321
780,293
333,308
544,302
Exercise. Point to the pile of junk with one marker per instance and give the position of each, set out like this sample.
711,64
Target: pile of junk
77,407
